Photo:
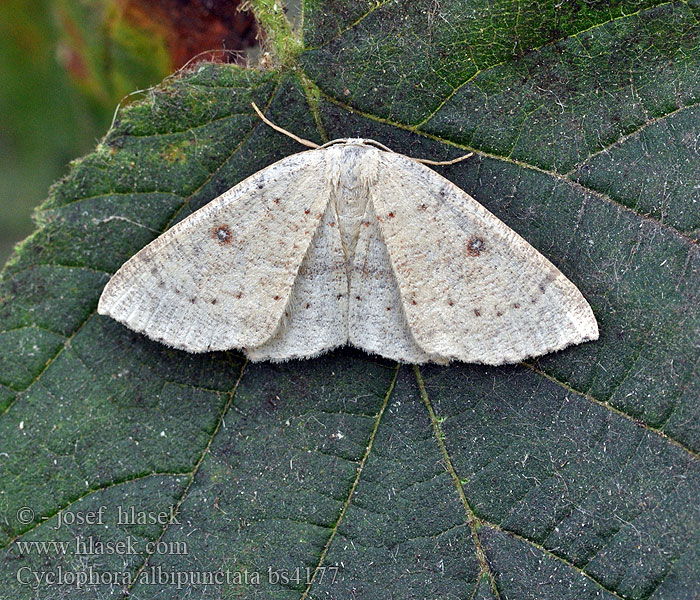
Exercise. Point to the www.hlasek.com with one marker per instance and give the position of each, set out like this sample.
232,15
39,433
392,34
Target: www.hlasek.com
156,575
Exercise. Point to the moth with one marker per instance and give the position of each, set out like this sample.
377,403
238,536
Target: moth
349,243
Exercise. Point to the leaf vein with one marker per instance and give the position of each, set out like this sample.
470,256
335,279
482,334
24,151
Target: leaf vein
192,474
610,407
692,242
351,492
472,520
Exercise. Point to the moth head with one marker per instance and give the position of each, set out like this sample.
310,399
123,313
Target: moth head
365,143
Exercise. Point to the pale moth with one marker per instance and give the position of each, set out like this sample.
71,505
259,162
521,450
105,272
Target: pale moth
349,243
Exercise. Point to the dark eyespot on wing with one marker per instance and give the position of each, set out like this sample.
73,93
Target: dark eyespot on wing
475,246
222,234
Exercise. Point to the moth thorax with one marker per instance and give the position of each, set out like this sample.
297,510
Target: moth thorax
356,168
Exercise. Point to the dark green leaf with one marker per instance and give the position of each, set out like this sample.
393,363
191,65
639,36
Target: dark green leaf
569,478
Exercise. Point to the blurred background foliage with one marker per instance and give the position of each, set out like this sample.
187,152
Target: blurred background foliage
66,64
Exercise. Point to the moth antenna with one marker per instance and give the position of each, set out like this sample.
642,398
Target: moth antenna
426,161
267,121
119,105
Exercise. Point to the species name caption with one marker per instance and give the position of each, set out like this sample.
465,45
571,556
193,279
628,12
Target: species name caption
82,575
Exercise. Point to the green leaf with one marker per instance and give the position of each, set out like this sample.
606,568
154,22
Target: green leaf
572,477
